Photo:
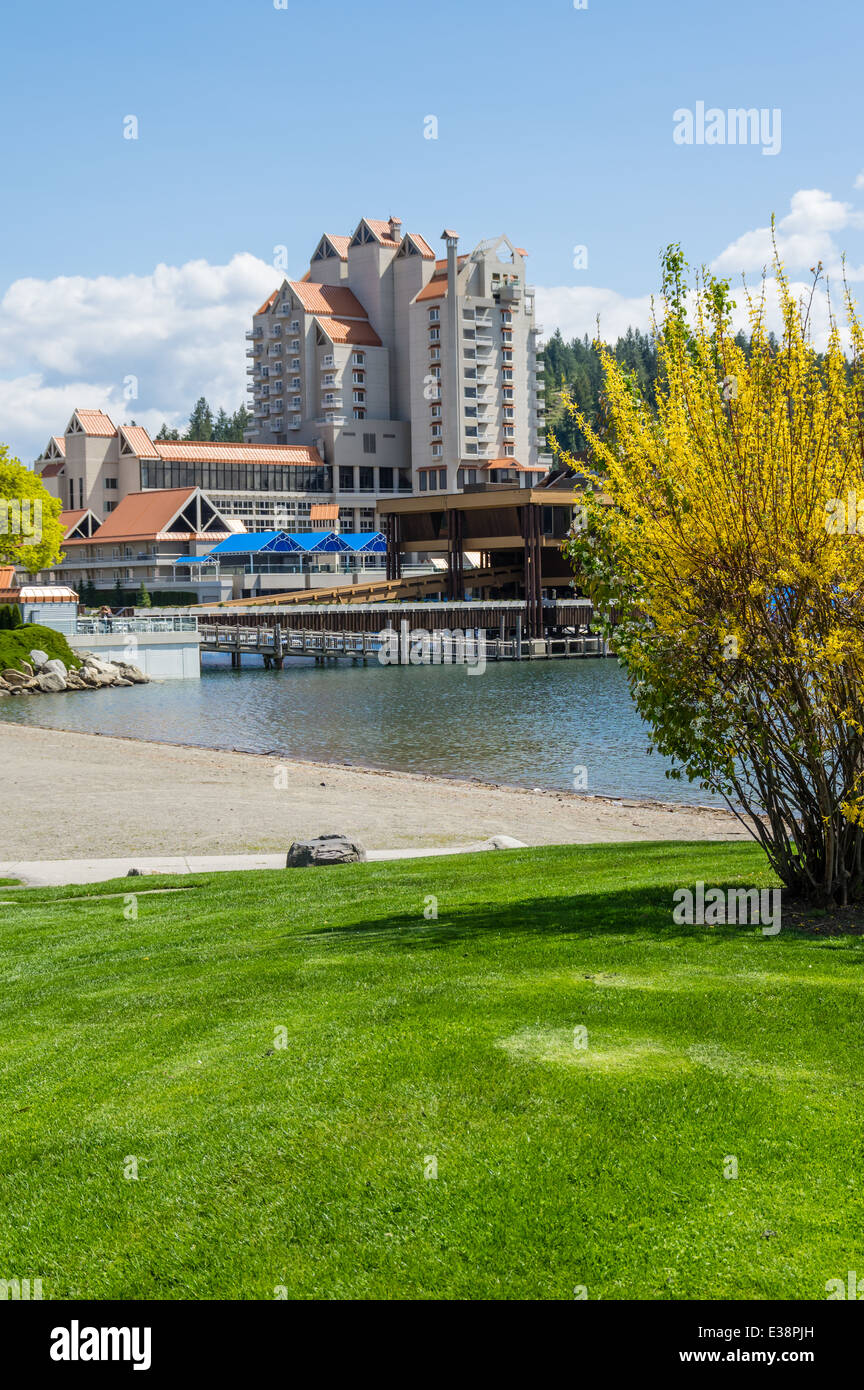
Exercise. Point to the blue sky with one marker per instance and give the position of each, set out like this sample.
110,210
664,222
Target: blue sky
261,127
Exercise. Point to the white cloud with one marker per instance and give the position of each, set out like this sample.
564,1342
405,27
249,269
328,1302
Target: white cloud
804,237
575,311
75,341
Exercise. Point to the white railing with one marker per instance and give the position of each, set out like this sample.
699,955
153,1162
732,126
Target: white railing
93,627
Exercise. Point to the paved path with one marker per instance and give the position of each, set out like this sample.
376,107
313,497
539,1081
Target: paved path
51,873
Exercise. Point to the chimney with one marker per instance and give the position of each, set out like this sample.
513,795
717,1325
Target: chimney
396,228
450,383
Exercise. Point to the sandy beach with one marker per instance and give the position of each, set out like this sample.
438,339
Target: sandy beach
75,795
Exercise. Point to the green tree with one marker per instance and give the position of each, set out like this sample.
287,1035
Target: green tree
200,421
30,532
165,433
143,600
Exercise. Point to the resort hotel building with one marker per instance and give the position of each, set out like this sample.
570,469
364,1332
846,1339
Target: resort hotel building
382,372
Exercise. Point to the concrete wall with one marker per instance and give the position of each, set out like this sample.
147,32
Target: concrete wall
162,655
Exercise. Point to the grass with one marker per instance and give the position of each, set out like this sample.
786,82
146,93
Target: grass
302,1166
17,643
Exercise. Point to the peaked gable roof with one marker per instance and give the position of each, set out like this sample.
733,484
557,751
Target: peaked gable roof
90,422
328,299
134,439
167,512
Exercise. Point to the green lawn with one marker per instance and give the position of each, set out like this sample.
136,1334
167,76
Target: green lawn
407,1040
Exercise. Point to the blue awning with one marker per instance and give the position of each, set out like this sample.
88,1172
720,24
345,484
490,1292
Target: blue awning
366,542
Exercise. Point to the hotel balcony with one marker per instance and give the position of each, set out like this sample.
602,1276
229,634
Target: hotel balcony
254,333
510,292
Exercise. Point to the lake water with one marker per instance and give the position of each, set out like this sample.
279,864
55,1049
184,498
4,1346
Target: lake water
527,723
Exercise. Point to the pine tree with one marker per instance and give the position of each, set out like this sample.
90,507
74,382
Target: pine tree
200,422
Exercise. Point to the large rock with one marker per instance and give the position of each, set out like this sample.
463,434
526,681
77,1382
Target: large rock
56,667
325,849
14,678
51,682
38,658
133,673
105,668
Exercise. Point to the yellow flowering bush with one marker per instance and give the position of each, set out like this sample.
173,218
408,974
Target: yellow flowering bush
723,549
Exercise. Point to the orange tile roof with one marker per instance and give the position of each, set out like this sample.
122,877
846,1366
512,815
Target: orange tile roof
436,289
140,516
267,302
425,249
7,576
324,511
328,299
190,451
381,230
96,422
60,441
361,334
340,244
140,441
68,520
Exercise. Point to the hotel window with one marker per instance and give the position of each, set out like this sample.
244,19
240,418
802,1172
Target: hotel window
471,431
346,479
437,451
469,334
367,479
507,373
471,448
470,355
508,412
435,354
109,506
509,450
471,410
128,574
436,431
369,444
434,315
436,412
442,479
358,359
359,397
423,481
434,335
506,316
508,430
80,492
385,479
295,364
405,481
359,378
110,484
471,373
115,552
329,379
329,398
508,393
295,325
433,479
471,393
507,355
359,414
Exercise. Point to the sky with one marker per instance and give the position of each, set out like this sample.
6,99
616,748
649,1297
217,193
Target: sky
130,267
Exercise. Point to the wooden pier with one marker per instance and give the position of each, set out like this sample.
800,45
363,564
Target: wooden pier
402,634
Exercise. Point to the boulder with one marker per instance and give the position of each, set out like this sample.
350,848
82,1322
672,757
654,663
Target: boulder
56,667
4,693
16,678
27,669
133,673
38,658
97,664
324,849
51,682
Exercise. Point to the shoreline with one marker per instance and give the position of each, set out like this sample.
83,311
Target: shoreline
95,795
654,803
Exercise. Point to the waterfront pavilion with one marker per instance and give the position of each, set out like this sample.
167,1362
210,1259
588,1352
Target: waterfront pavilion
517,530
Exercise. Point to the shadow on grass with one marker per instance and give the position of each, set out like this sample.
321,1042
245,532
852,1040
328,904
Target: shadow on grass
643,914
